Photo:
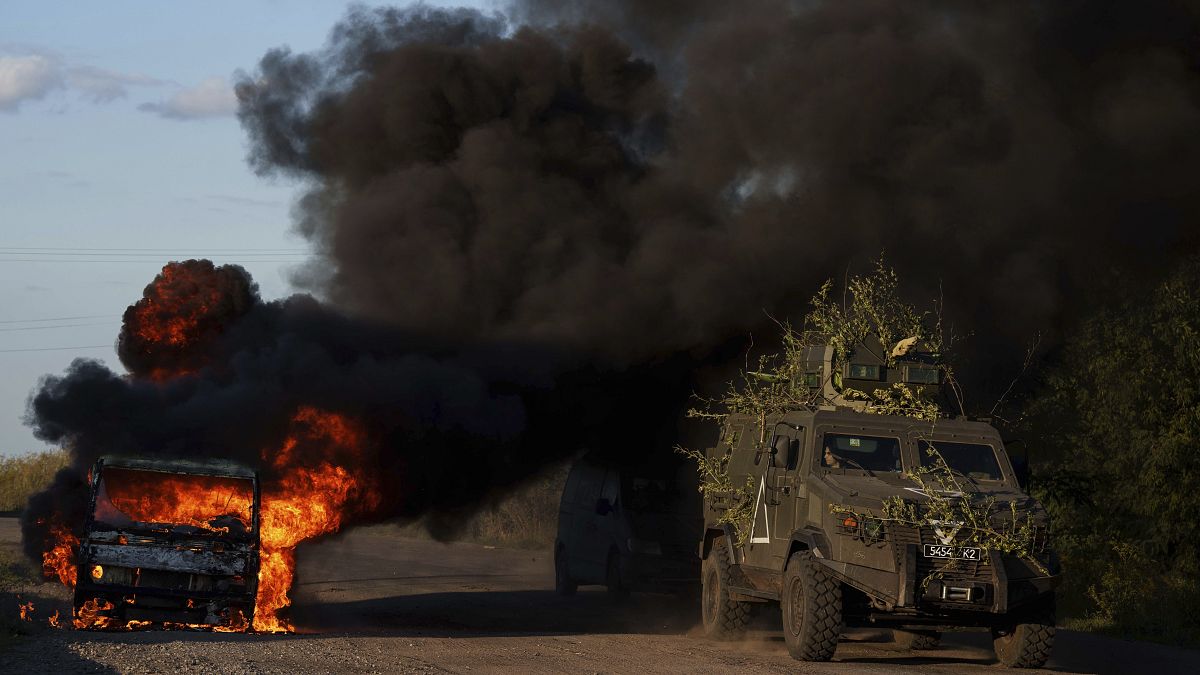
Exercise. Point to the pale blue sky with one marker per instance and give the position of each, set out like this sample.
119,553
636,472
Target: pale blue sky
116,132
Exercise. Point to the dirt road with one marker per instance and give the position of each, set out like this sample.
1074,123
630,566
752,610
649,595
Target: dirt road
373,601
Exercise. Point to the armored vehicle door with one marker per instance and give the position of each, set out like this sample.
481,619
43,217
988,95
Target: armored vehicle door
780,496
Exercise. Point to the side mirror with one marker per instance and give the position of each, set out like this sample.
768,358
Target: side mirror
603,506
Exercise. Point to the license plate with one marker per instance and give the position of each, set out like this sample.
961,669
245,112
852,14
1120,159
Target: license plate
958,552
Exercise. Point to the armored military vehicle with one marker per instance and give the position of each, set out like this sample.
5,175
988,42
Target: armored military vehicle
169,542
819,547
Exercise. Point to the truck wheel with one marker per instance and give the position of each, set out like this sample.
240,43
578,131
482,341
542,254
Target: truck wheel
917,640
812,609
563,583
1027,644
612,576
723,617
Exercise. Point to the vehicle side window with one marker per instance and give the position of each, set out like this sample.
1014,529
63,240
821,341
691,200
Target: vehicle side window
572,487
590,480
612,487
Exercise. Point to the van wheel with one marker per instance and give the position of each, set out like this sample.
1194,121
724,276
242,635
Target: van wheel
812,609
563,583
723,617
917,640
612,576
1028,644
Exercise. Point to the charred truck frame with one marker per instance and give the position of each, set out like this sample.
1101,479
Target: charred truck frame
813,548
144,557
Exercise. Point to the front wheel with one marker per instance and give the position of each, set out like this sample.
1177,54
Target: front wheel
812,609
1026,644
723,617
563,583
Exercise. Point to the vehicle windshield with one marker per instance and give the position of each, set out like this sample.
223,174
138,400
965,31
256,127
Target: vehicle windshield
869,453
972,459
652,495
213,504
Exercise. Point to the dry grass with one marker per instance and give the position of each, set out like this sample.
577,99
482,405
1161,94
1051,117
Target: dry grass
525,518
25,475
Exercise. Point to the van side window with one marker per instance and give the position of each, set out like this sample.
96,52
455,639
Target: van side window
590,480
612,487
572,486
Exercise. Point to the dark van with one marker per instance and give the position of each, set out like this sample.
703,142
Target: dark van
628,528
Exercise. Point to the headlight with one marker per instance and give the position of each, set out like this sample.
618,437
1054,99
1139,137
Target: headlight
646,547
112,575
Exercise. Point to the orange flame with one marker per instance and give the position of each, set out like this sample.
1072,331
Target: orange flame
151,497
159,318
59,560
26,609
53,620
88,614
307,502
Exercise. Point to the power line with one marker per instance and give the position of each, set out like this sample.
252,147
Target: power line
151,261
138,255
165,248
65,325
54,349
62,318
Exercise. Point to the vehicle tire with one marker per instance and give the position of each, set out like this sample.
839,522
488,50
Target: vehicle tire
917,640
723,618
1026,644
812,609
612,576
563,583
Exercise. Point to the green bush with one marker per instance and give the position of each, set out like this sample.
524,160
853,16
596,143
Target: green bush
22,476
1116,433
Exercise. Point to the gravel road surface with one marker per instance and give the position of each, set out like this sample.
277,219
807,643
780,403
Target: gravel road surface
375,601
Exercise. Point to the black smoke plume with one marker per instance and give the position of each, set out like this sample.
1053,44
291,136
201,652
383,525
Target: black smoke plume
635,179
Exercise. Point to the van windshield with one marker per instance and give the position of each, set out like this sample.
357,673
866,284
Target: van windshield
652,495
216,504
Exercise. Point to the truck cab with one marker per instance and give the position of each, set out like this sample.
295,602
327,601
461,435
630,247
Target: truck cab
169,542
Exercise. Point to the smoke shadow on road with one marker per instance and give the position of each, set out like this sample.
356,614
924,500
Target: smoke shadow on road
470,613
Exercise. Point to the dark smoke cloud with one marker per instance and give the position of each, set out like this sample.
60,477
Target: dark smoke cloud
194,300
638,178
447,425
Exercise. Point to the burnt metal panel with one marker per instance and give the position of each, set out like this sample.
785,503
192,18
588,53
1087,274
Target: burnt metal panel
175,560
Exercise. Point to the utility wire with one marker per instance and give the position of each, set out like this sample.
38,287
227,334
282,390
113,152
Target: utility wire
165,248
113,254
54,349
62,318
152,261
65,325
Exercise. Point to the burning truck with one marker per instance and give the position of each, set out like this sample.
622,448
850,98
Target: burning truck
169,542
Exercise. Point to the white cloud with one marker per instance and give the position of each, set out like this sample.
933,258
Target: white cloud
213,97
104,86
26,78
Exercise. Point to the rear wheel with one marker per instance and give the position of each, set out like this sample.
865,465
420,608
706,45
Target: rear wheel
812,609
723,617
1026,644
612,576
563,583
917,640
